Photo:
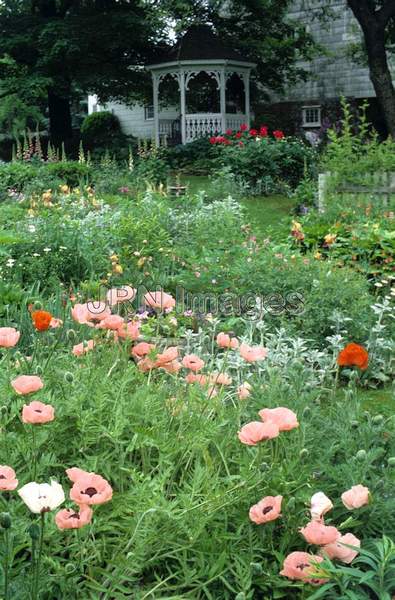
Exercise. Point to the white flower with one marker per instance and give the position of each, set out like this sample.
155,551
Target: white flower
47,249
320,504
10,262
31,228
35,254
42,497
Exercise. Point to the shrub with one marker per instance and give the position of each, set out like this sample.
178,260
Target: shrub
70,172
102,130
265,162
16,175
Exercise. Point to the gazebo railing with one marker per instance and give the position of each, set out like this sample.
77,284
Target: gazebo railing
199,125
235,121
202,124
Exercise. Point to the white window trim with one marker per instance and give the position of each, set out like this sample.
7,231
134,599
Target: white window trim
311,123
146,107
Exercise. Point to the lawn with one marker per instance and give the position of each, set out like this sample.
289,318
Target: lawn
265,213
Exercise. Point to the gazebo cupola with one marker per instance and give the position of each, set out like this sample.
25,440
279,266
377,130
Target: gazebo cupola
198,52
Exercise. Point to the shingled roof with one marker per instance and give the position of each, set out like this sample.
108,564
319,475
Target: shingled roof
200,43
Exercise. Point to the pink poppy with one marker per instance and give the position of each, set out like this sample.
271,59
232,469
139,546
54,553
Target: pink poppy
159,300
267,509
196,378
171,367
129,331
113,322
212,391
75,473
37,412
83,347
244,390
225,341
319,534
356,497
55,323
9,337
283,417
142,349
68,518
253,353
121,294
80,314
167,356
145,364
320,505
341,552
220,379
91,489
192,362
256,431
27,384
299,565
8,480
90,311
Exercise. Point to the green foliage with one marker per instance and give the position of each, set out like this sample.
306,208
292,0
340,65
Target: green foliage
267,165
69,172
101,130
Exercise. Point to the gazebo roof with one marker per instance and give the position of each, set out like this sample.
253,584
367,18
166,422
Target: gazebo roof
200,43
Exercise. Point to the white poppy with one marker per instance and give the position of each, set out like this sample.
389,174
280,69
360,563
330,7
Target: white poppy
320,504
42,497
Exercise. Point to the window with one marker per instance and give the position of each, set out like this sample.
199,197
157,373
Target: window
149,112
311,116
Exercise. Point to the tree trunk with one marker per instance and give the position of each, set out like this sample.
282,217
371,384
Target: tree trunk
381,78
373,24
59,118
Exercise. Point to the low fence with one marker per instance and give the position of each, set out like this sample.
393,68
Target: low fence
372,184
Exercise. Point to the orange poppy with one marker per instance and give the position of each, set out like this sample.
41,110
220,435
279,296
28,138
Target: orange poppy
42,320
353,355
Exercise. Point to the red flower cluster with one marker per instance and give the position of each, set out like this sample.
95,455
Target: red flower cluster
244,134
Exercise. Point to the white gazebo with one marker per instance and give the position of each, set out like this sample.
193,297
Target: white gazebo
201,51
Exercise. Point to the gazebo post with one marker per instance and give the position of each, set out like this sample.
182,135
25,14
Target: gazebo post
222,91
181,81
155,86
247,96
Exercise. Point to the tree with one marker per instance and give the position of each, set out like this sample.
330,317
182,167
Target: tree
377,20
74,46
259,30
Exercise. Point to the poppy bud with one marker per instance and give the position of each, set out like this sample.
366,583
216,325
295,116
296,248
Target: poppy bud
378,419
361,455
264,467
256,568
240,596
391,461
4,410
37,305
70,568
68,377
71,335
303,453
291,503
39,370
5,520
34,531
354,424
306,411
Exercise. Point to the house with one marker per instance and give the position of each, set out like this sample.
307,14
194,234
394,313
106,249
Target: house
333,74
304,107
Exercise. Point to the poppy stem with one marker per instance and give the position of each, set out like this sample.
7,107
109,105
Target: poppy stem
6,562
336,381
38,559
34,453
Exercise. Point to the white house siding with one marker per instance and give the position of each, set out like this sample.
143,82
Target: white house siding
132,118
335,73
